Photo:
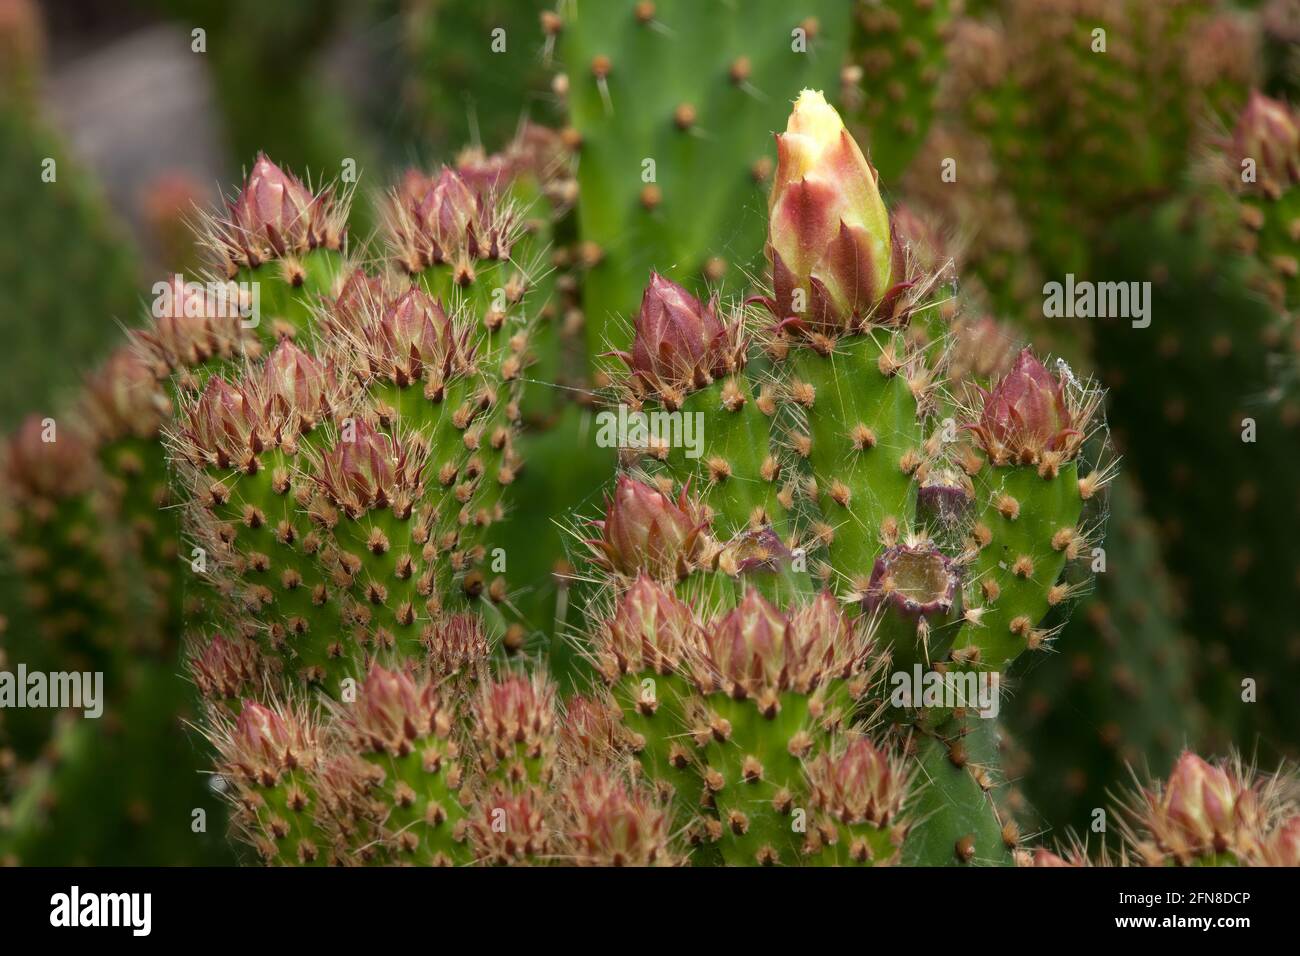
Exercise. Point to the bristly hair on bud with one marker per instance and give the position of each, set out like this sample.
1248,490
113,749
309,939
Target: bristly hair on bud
651,630
836,262
679,344
609,823
228,426
1030,418
646,531
509,827
368,469
590,732
444,220
394,712
275,216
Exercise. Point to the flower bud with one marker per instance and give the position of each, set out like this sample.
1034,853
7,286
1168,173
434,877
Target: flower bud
369,469
36,468
1200,804
393,712
275,215
1026,415
299,389
265,743
225,668
227,427
651,630
679,344
644,530
610,824
834,260
124,399
860,784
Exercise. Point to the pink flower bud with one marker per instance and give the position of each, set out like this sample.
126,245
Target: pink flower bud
228,426
394,711
651,630
746,649
225,667
860,784
299,389
611,824
679,344
644,530
275,210
1200,802
367,469
123,398
1025,415
834,260
267,742
37,468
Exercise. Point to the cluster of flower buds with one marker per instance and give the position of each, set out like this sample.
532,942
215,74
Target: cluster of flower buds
756,651
836,263
275,216
680,345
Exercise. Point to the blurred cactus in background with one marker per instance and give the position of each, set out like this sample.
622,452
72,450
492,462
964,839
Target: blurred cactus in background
532,461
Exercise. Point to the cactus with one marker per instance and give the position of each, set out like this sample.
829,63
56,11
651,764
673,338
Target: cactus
781,644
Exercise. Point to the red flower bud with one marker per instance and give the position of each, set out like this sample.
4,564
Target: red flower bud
679,344
1026,415
394,711
457,645
651,630
746,650
516,712
1200,804
368,469
644,530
